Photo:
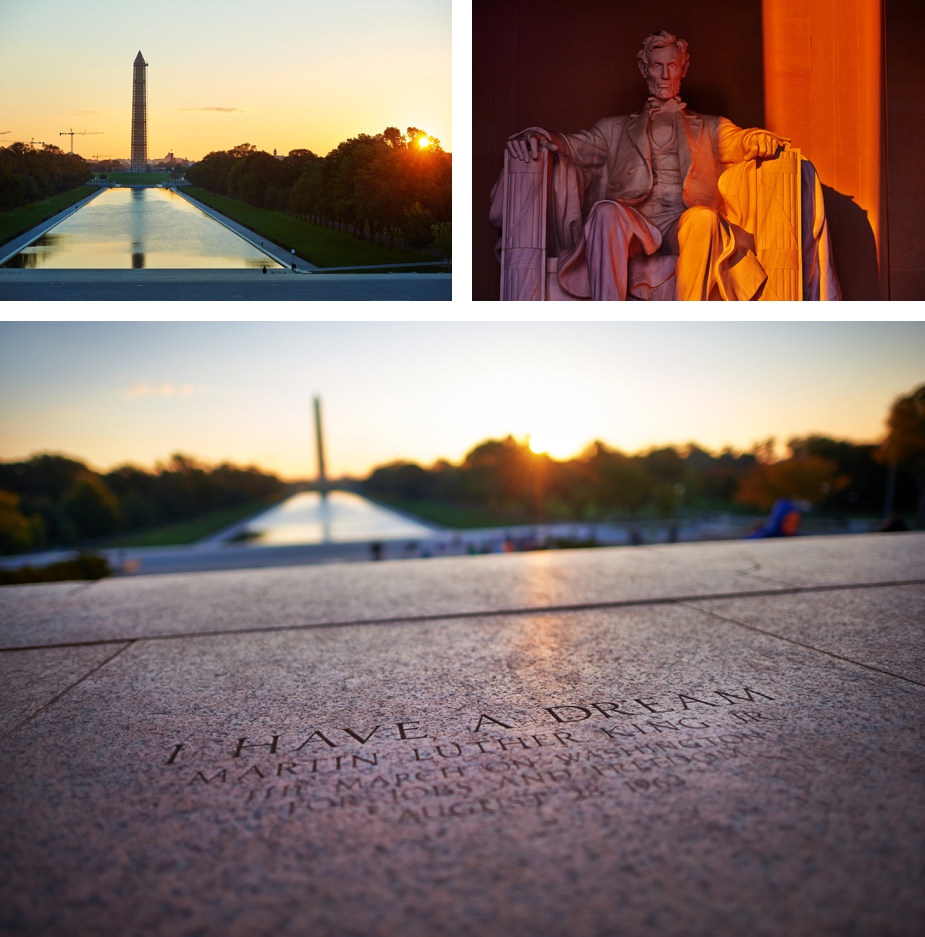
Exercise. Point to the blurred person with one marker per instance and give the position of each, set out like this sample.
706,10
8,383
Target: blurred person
783,522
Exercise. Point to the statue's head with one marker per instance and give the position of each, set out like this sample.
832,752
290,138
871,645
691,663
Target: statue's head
663,61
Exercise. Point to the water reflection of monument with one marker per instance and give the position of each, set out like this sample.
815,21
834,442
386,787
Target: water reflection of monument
323,507
137,222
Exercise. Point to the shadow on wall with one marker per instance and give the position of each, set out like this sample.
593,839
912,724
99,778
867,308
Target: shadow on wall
852,237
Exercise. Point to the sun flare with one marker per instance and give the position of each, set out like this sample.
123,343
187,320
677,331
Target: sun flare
557,442
423,142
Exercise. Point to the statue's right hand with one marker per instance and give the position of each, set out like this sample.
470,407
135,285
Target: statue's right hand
527,145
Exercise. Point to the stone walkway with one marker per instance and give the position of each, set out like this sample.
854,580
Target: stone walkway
224,285
678,740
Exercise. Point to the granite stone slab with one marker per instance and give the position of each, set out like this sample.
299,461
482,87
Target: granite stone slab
854,558
882,627
128,608
45,598
30,680
633,770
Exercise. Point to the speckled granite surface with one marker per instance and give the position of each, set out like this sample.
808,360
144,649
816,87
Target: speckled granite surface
30,680
714,766
883,628
125,608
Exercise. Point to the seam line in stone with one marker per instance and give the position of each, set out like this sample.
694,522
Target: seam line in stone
83,587
808,647
68,689
753,574
496,613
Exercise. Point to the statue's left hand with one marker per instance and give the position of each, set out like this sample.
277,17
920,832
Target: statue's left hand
763,143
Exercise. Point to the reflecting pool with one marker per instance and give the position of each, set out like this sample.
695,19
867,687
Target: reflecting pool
141,228
341,517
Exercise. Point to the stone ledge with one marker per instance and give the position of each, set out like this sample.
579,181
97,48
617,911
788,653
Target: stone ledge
749,764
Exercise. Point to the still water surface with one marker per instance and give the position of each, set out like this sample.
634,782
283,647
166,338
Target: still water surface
141,228
341,517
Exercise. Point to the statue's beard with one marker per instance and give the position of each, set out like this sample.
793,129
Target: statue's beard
664,90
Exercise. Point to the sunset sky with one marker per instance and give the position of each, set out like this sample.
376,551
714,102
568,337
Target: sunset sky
291,74
111,393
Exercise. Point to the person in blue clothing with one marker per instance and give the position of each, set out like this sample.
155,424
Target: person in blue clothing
783,522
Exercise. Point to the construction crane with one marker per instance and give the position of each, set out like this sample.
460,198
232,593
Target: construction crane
80,133
33,141
2,132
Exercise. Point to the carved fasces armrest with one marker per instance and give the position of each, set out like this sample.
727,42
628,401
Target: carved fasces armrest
523,228
779,238
764,197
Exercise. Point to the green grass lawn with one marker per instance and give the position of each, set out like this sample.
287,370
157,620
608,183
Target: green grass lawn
185,532
137,178
320,246
17,221
457,516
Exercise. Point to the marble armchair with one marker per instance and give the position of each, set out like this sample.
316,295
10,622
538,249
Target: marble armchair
775,207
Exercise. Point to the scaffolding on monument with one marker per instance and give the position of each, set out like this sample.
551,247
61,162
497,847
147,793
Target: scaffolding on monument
139,161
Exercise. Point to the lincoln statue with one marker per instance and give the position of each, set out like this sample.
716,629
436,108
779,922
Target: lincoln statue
648,185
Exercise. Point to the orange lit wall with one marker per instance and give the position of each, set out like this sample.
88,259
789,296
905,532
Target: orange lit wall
823,87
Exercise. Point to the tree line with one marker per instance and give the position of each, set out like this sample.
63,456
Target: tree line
389,186
51,500
28,174
513,484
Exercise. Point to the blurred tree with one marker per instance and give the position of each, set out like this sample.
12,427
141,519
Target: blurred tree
720,481
91,507
666,465
401,479
442,234
367,185
621,482
18,533
27,174
416,226
393,136
499,473
859,462
905,442
802,477
70,502
505,477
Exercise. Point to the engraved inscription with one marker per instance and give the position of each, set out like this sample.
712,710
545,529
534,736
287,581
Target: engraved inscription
491,764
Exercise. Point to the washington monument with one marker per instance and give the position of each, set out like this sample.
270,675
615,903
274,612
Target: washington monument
139,116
